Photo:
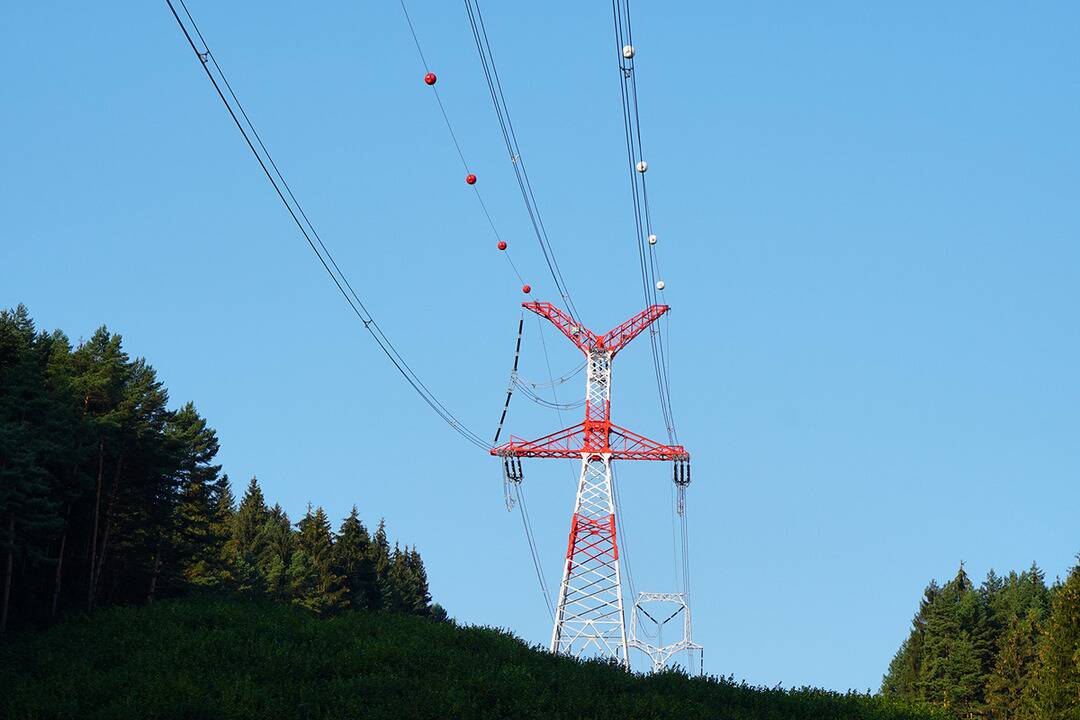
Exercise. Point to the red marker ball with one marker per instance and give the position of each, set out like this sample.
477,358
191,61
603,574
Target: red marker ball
501,245
471,179
430,78
526,289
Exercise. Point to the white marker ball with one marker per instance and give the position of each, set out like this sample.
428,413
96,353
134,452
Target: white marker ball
652,239
628,51
659,284
642,166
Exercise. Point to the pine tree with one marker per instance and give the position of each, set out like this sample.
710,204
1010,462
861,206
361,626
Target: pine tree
379,553
223,511
420,595
951,675
398,583
100,371
28,508
314,584
249,519
352,560
905,671
1055,685
1008,687
272,552
198,541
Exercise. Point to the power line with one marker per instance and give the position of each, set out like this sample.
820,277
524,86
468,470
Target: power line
300,218
642,211
431,80
506,125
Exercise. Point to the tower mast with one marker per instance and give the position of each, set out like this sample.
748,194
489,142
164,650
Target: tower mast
589,617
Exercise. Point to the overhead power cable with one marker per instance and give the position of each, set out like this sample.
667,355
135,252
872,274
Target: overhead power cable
652,285
513,148
431,80
638,167
270,168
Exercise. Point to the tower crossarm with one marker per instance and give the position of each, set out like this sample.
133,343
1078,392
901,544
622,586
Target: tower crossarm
620,336
584,338
628,445
573,442
567,443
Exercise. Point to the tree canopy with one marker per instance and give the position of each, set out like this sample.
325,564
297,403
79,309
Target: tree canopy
109,495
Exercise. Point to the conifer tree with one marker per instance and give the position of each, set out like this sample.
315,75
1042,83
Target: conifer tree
398,583
420,595
198,527
272,553
905,671
1008,693
314,584
352,560
951,674
1055,686
249,519
100,369
28,491
379,553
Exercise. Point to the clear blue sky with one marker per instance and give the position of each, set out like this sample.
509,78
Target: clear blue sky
869,230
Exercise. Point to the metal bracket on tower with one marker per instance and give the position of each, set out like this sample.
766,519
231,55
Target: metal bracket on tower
667,606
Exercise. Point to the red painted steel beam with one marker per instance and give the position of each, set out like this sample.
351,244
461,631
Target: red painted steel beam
622,444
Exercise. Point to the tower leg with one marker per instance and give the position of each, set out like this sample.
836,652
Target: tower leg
589,618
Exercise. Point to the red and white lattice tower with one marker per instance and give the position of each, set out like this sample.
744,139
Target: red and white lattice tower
589,617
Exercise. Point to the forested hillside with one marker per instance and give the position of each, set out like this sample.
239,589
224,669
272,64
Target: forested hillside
1008,649
108,495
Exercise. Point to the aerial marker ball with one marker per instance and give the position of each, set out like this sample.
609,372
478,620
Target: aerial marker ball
642,166
471,179
628,51
526,289
659,284
501,245
430,78
652,239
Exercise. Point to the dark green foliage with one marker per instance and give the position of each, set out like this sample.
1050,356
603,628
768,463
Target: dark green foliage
1055,684
236,660
314,582
1008,689
353,561
955,646
1009,650
108,496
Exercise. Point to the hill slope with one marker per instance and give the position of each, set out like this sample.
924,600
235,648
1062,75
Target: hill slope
234,659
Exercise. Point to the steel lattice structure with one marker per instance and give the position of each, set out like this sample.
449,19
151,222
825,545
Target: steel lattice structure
589,617
659,654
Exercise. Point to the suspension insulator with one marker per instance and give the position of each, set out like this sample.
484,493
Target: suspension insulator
430,78
652,239
471,179
526,289
642,166
501,245
628,51
659,284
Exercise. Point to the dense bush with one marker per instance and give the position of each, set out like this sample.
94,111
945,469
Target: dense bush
226,658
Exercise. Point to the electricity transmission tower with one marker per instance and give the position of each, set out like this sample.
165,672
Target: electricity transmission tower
589,617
